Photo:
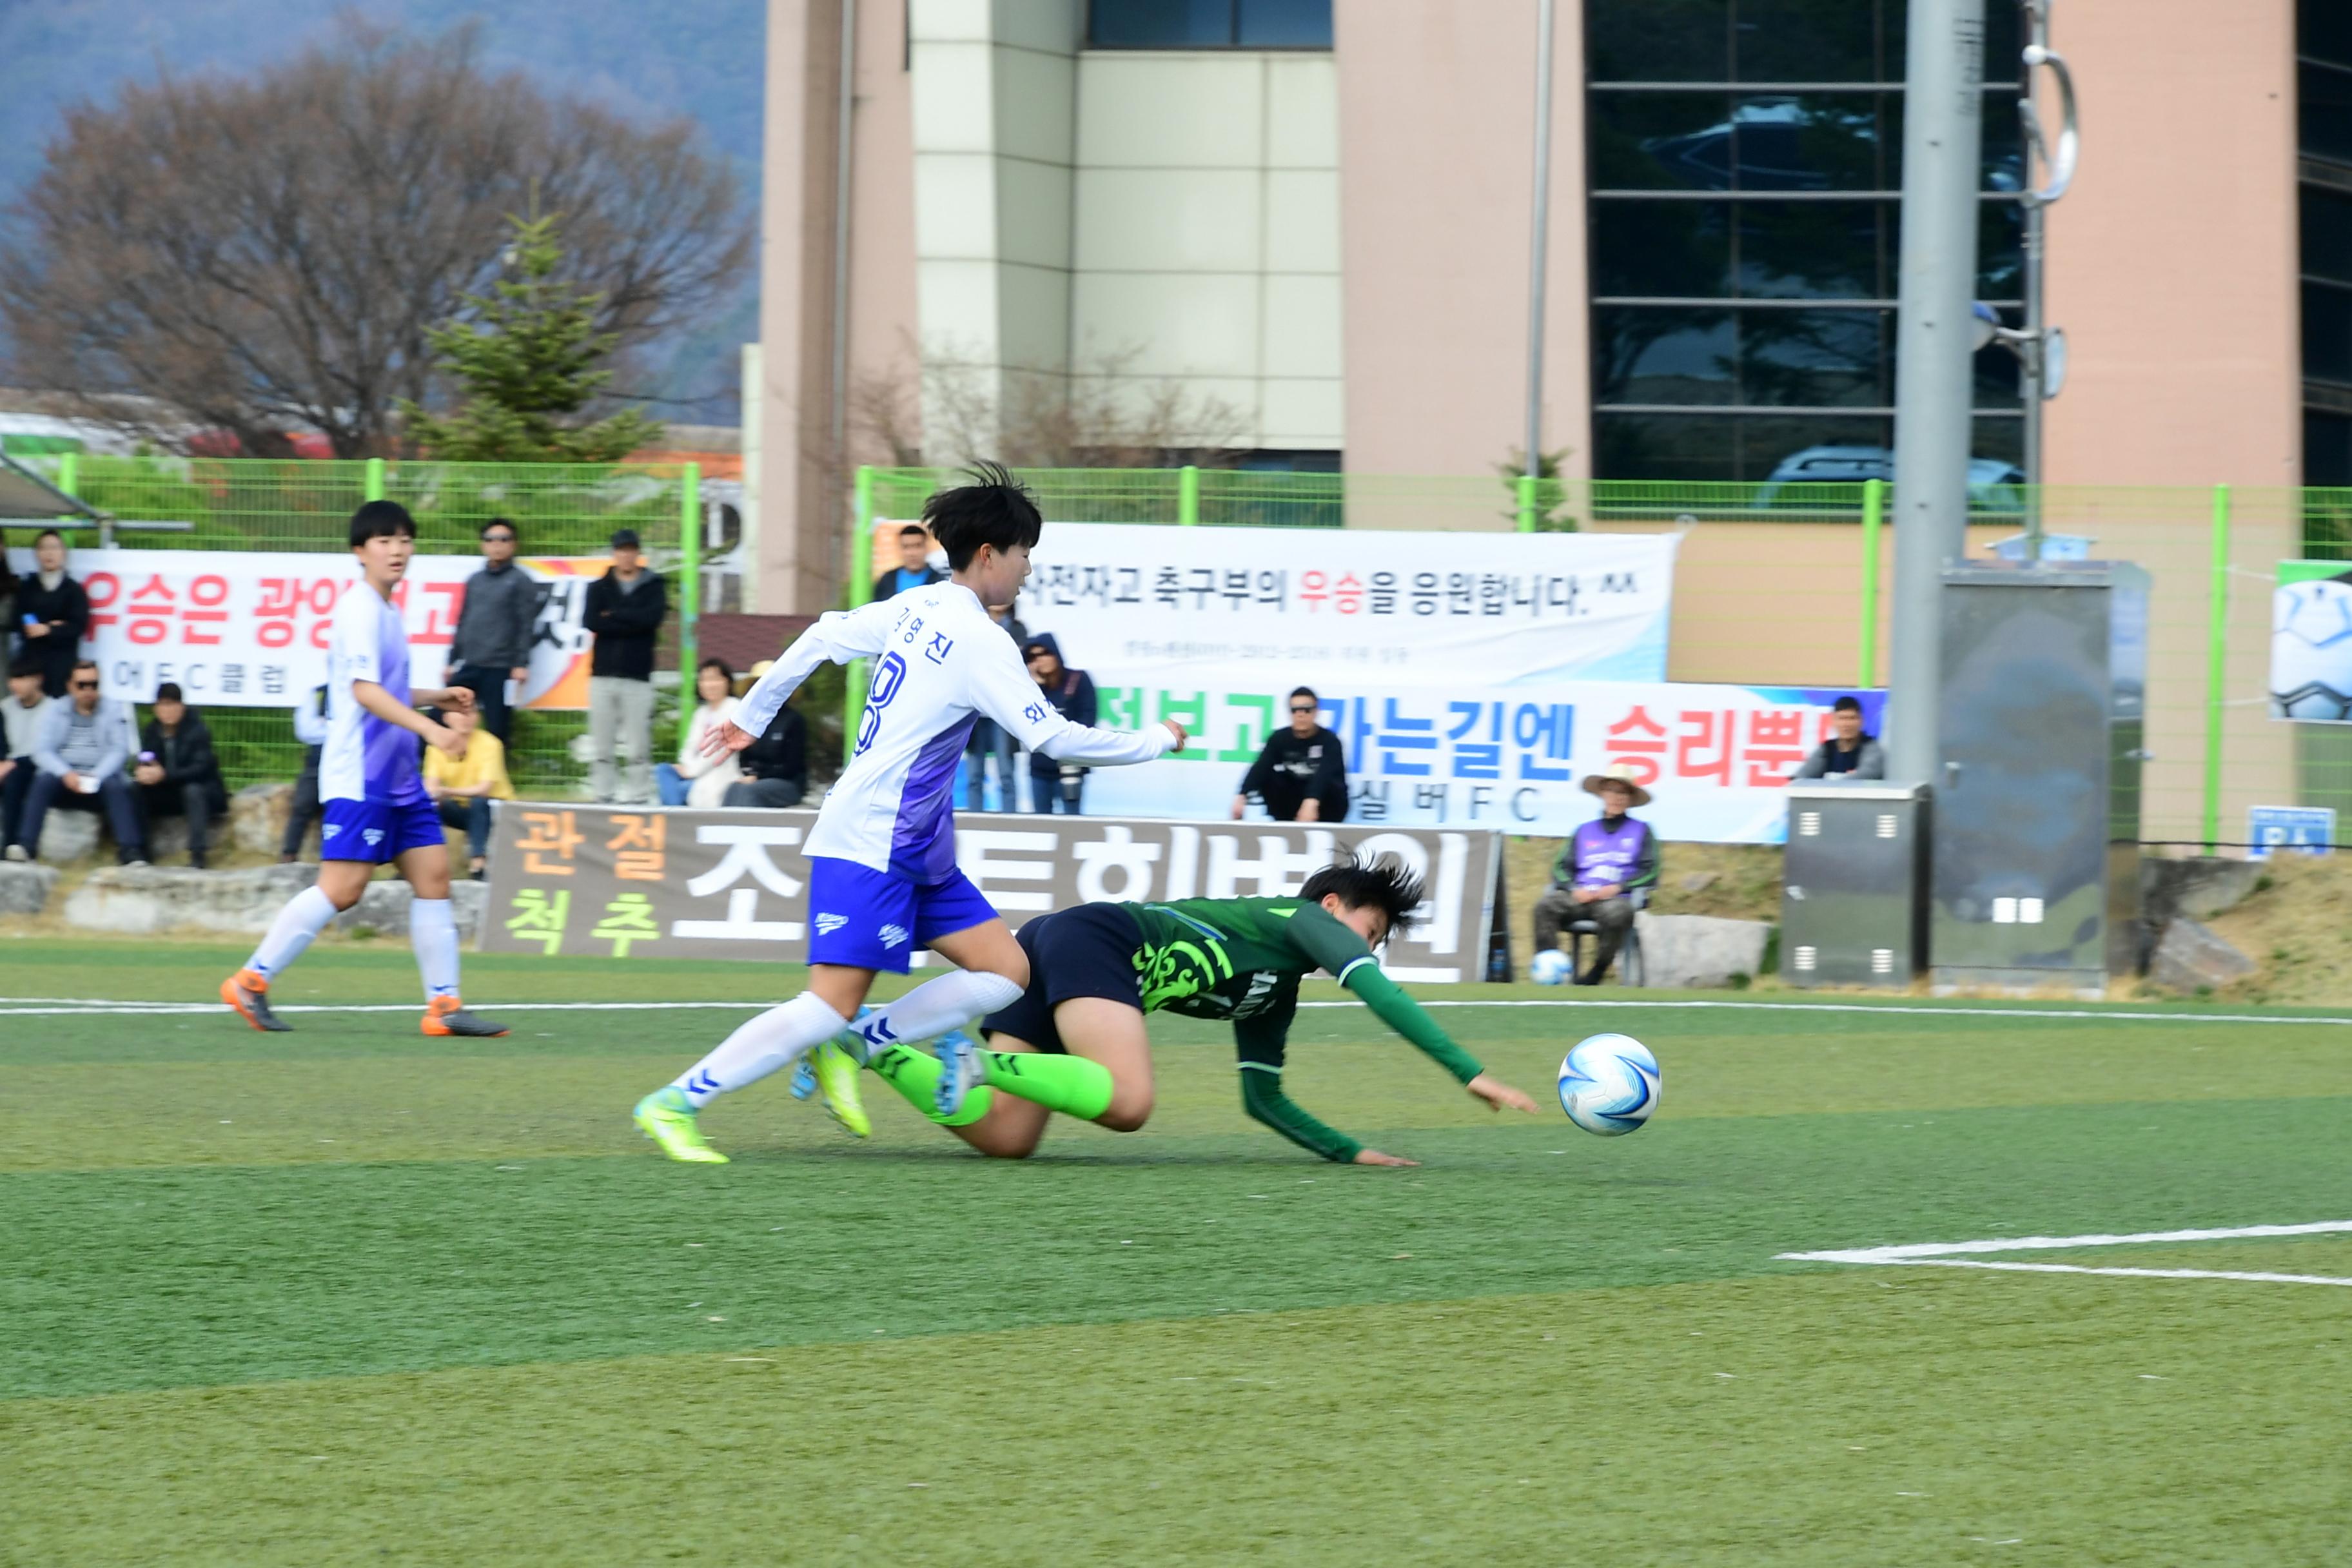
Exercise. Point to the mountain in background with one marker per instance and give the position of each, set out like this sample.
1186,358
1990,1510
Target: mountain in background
701,59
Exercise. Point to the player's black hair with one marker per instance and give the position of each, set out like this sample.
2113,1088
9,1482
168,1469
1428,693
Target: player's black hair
994,509
170,692
1846,705
1384,883
381,520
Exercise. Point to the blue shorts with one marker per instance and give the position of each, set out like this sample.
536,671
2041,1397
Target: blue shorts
864,918
376,831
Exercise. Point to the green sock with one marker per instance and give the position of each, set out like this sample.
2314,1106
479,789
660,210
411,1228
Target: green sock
915,1074
1072,1085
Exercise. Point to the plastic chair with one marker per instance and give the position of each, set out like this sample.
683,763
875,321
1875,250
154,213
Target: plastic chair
1628,957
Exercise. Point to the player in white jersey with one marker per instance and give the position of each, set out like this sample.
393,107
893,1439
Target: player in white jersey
374,805
882,866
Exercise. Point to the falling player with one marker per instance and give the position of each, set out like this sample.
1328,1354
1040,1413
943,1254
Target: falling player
1096,970
882,866
374,805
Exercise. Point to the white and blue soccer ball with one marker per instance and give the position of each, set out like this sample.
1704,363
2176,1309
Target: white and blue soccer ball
1609,1084
2311,650
1549,967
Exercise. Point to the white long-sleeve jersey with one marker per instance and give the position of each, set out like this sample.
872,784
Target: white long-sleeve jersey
940,663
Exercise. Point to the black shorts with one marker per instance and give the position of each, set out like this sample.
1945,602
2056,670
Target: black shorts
1086,952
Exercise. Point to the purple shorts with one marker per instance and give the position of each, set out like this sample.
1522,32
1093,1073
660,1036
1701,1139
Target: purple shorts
864,918
376,831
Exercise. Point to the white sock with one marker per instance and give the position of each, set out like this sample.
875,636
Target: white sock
305,914
773,1040
433,932
936,1006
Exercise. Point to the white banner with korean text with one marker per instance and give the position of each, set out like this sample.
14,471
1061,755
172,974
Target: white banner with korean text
1716,759
1495,609
248,628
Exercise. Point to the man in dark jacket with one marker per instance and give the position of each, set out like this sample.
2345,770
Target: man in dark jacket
914,569
775,766
1302,773
492,644
1850,752
52,612
176,772
625,611
1053,785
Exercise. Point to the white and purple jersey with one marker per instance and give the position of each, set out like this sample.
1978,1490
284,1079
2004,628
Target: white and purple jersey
363,758
940,663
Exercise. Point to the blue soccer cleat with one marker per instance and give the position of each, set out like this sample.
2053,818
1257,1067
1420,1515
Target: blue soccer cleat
961,1070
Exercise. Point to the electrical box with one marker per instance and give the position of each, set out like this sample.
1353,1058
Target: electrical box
1854,892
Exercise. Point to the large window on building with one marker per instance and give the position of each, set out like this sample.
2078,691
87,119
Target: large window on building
2324,138
1209,23
1745,215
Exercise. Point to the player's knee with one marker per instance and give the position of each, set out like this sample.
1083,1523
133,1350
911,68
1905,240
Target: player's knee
1000,1147
1016,968
1127,1113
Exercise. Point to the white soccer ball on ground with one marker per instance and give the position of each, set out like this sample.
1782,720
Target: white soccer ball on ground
1548,967
1609,1084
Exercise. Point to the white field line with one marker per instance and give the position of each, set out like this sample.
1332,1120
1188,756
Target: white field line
1955,1254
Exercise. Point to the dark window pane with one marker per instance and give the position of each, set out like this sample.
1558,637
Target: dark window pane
2004,158
1808,40
2000,250
1658,40
1284,25
2323,115
1654,354
1817,251
2004,41
2326,447
2323,31
2326,233
1816,142
1668,250
1796,359
1660,140
1685,447
1798,449
1160,24
2326,333
1998,375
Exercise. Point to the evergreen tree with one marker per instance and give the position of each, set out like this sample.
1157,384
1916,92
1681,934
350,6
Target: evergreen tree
525,358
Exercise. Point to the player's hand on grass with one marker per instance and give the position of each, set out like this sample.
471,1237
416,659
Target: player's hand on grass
727,737
1498,1095
1374,1157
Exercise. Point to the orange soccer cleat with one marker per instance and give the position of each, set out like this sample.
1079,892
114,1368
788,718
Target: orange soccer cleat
447,1015
250,994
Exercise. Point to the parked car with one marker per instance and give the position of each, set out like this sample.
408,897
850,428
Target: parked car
1994,485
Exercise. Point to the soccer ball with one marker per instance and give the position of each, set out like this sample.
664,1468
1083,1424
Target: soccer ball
2311,650
1549,967
1609,1084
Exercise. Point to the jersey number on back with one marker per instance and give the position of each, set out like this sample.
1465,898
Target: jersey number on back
888,676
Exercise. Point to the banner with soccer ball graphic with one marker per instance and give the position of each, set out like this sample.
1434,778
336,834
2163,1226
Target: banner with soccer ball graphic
2311,642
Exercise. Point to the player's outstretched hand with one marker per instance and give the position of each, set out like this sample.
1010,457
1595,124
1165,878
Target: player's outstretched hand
1184,737
1374,1157
1498,1095
445,741
456,699
726,738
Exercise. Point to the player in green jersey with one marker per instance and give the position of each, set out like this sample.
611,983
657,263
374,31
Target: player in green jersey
1095,970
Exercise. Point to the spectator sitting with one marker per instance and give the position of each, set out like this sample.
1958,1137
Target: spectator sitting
1599,868
176,772
1302,773
80,753
311,729
52,612
990,739
20,728
694,779
1072,692
1848,753
624,611
775,766
914,569
463,786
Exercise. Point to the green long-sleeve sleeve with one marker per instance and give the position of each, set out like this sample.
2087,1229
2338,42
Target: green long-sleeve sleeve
1399,1011
1261,1041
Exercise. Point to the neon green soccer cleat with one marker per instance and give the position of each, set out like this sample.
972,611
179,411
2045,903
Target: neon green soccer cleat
837,1077
665,1117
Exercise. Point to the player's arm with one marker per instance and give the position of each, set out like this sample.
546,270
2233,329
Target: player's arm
375,699
1260,1042
838,636
1001,687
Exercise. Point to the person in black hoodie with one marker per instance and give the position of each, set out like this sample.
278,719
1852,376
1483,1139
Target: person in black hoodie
1057,785
1302,774
176,771
52,612
624,609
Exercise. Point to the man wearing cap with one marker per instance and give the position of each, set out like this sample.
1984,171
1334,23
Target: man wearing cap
625,611
1598,870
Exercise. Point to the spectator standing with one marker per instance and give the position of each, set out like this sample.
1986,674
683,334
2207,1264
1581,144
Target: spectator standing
176,771
694,779
625,611
80,753
990,739
914,569
9,622
1849,752
462,787
1058,785
52,612
1598,870
492,645
775,766
311,729
20,728
1302,773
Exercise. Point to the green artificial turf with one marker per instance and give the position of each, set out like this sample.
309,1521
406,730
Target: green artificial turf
353,1295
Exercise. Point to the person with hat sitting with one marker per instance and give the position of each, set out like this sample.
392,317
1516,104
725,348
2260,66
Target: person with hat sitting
623,612
1599,869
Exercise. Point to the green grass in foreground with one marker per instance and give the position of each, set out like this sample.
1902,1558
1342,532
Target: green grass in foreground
354,1295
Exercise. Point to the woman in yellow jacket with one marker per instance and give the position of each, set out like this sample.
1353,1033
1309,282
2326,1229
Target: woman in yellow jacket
462,787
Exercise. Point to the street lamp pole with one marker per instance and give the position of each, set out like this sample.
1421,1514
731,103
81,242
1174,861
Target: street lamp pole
1541,225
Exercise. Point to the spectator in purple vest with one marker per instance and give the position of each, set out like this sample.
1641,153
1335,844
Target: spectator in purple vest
1598,870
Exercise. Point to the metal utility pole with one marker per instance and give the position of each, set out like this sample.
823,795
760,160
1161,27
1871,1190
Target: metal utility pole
1541,225
1943,133
2044,345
